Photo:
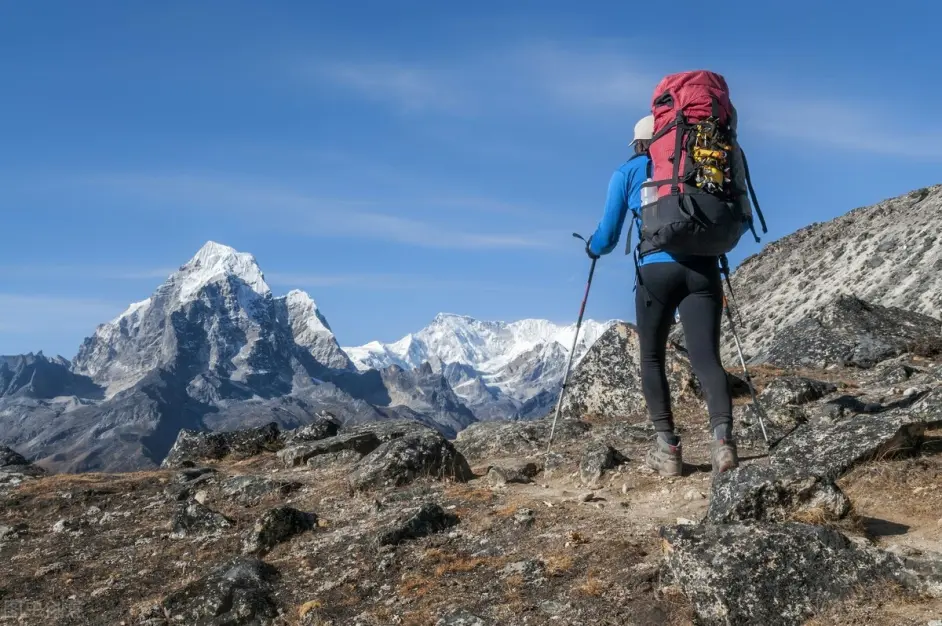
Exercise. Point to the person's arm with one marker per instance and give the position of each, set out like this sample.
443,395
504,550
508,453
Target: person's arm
608,232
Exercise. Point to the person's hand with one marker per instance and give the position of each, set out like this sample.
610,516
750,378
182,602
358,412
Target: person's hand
588,250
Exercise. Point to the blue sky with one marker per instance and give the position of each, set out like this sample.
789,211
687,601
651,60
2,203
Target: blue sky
400,159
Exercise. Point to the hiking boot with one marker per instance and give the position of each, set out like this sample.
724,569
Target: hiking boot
665,458
723,455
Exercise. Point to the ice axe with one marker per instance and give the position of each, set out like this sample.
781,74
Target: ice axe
572,352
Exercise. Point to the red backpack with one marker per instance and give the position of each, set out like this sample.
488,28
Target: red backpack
698,170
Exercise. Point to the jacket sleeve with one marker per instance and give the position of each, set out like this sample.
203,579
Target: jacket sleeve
608,232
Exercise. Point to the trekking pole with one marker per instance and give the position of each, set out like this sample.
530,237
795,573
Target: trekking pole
572,352
756,407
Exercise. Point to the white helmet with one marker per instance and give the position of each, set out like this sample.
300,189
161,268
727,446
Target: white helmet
644,129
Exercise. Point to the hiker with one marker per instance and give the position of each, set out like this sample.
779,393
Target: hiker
678,257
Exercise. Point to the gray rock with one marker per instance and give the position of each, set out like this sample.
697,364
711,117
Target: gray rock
422,453
596,459
849,332
804,467
324,426
524,517
192,446
779,422
415,523
607,383
250,489
277,526
795,390
759,492
461,618
13,463
197,519
236,593
333,459
777,575
490,439
519,471
361,442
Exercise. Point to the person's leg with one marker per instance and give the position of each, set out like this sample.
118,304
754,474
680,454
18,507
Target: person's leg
656,298
701,315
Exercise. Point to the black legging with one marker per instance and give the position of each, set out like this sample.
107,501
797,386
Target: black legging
696,289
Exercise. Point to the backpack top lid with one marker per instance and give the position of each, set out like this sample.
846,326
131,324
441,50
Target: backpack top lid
693,93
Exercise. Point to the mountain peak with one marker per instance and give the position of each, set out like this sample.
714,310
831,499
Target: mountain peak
214,261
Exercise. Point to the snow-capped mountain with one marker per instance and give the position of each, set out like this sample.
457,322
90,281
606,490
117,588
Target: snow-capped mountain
495,367
210,348
311,331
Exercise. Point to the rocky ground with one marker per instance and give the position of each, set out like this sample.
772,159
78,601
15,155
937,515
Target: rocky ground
389,523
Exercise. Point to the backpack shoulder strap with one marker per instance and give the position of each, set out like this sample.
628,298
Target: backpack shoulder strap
752,193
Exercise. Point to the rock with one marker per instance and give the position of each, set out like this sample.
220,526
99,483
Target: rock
14,464
759,492
893,373
359,442
461,618
693,494
399,461
333,459
777,575
849,332
607,383
485,440
61,526
596,459
197,519
794,390
520,471
9,533
277,526
192,446
912,391
387,430
804,467
779,422
415,523
10,458
201,496
236,593
528,570
250,489
524,517
324,426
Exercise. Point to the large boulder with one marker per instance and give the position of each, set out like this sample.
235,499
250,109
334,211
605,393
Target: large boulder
360,442
421,453
850,332
251,489
238,592
770,574
425,520
795,390
277,526
324,425
490,439
607,383
193,518
804,467
13,463
192,447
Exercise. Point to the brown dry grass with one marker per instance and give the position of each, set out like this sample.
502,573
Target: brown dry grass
111,482
558,564
591,586
421,617
882,604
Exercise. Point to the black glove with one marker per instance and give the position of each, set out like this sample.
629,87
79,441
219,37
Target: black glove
588,250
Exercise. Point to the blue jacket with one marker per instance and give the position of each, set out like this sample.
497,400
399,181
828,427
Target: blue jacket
624,193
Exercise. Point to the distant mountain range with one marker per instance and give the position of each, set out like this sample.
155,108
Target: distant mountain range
213,348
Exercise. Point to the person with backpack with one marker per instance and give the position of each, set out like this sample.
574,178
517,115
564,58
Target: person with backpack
684,189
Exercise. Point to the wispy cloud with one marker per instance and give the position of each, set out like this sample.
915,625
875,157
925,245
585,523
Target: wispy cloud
33,313
410,88
306,214
599,82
